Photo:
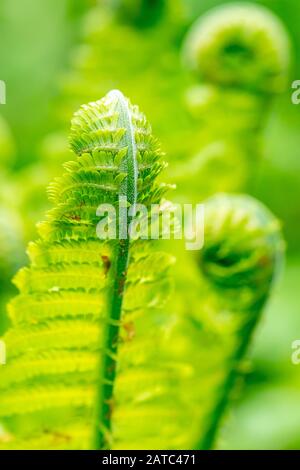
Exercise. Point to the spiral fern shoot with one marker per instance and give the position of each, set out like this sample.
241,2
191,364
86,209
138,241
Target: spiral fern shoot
141,13
219,302
151,28
240,58
81,295
241,258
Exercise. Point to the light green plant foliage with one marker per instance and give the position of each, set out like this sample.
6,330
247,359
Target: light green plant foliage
215,316
242,255
147,59
11,255
120,40
232,116
147,50
69,305
141,13
219,300
189,118
96,358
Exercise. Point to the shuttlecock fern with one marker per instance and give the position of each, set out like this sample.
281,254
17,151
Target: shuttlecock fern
175,370
97,355
242,256
219,302
72,300
240,45
240,54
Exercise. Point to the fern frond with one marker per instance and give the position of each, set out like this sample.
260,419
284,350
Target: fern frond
81,296
95,351
242,255
73,437
240,56
27,368
240,46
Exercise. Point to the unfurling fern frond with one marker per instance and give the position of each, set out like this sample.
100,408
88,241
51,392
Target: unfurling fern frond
96,356
240,56
241,268
80,295
240,45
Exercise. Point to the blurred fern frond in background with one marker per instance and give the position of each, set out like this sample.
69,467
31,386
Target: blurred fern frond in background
240,54
188,114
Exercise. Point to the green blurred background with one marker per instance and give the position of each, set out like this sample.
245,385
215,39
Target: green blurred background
37,43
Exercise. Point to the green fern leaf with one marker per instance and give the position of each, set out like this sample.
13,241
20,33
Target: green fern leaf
80,293
97,358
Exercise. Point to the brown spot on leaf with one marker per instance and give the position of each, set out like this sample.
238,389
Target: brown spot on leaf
106,263
130,331
75,217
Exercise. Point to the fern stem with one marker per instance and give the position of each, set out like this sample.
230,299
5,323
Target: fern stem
128,192
239,263
208,439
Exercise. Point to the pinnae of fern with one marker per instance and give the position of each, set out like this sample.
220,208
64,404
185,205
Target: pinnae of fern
250,255
79,295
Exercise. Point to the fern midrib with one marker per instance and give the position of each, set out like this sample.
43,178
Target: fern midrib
128,191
